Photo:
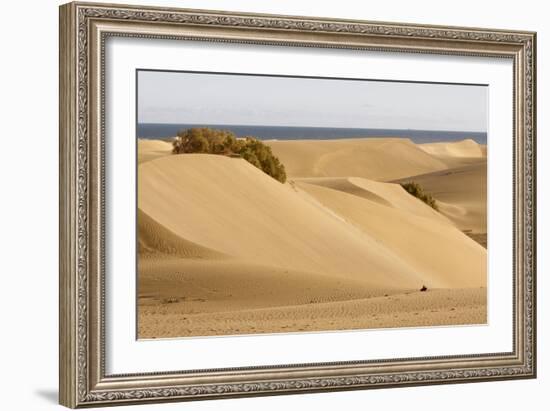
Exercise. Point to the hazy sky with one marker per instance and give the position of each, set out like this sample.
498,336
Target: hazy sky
173,97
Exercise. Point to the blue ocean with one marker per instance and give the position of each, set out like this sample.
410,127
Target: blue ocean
157,130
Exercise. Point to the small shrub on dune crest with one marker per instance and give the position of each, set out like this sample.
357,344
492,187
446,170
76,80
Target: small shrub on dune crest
416,190
223,142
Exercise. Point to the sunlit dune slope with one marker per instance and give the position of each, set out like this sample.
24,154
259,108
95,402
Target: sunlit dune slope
388,194
228,205
435,247
463,148
379,159
151,149
458,153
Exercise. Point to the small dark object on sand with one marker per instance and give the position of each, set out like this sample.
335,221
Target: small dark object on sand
424,288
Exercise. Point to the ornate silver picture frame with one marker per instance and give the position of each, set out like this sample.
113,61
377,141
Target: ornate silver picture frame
85,28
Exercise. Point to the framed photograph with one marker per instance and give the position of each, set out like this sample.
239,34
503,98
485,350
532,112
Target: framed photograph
260,204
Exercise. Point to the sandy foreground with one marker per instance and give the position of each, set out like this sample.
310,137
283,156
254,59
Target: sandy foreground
224,249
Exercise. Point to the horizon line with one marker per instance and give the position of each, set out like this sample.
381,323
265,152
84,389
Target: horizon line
343,128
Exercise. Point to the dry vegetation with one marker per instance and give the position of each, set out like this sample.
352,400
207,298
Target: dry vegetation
416,190
223,142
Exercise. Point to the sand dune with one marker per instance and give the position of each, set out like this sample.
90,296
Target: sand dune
387,194
226,249
156,241
458,262
379,159
461,194
151,149
464,148
457,154
228,205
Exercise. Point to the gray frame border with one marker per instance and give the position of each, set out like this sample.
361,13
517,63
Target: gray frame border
83,30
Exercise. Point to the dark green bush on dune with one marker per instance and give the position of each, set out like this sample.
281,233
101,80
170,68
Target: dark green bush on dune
416,190
223,142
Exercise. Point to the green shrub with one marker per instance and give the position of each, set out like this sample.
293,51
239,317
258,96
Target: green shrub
223,142
416,190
